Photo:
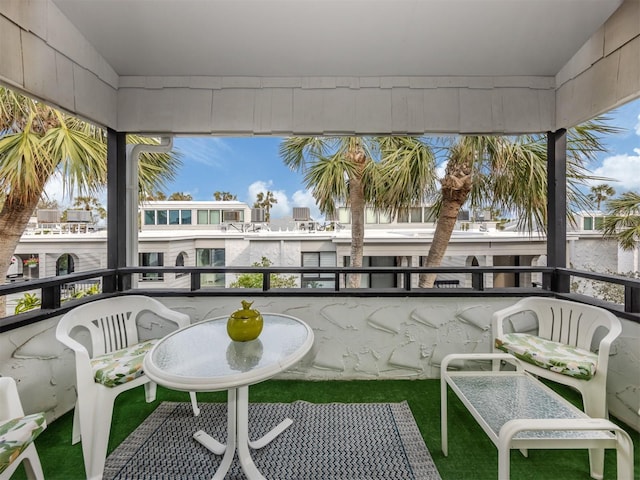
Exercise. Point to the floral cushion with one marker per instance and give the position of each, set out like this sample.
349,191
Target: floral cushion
121,366
557,357
16,435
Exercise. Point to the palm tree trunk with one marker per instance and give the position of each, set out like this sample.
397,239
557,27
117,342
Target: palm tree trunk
357,201
14,217
456,186
357,228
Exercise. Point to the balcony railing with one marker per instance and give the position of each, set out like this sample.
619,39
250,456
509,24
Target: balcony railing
55,300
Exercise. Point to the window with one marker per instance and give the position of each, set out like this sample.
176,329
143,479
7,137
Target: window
384,217
151,259
174,217
64,265
376,280
598,223
149,217
430,214
373,216
170,217
587,223
180,263
318,259
370,216
161,217
211,257
344,215
207,217
233,216
413,215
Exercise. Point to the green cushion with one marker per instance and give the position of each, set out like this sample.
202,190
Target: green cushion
16,435
121,366
557,357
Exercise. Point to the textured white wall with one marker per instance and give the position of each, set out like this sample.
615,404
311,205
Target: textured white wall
45,55
594,254
605,72
355,338
354,105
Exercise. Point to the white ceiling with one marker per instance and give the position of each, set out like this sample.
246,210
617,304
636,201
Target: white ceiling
285,38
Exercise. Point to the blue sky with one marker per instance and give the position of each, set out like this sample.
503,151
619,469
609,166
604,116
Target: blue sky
245,166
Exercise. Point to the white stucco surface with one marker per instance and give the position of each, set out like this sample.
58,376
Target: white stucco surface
355,338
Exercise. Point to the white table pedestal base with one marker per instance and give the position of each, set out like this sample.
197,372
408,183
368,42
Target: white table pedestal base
238,436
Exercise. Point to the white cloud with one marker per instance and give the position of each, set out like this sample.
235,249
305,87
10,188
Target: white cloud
441,169
280,209
623,168
284,207
255,188
54,190
209,151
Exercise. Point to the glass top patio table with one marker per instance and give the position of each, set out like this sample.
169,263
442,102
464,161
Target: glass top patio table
202,357
520,396
517,411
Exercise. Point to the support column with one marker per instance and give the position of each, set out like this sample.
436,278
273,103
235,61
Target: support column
557,209
116,206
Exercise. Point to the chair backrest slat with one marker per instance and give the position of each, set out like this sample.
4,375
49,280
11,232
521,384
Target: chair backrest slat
112,323
567,322
565,325
113,331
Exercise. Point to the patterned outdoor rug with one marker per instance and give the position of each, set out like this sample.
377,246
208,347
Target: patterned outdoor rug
326,441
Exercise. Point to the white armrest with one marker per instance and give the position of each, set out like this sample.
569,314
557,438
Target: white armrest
9,399
478,356
498,318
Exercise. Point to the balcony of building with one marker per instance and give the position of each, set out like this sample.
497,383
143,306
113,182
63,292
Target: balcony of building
485,67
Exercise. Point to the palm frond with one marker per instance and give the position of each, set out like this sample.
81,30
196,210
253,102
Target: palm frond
327,182
81,158
24,165
406,176
622,222
297,151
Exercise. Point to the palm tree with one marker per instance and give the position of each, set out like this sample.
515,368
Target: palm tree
266,201
510,174
158,195
622,222
91,204
180,196
48,204
355,171
224,196
600,193
38,142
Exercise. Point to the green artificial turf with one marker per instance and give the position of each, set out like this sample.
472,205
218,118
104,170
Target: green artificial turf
471,454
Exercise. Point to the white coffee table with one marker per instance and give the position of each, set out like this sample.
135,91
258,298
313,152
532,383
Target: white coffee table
202,358
517,411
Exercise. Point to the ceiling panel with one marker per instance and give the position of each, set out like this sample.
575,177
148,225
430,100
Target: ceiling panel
337,38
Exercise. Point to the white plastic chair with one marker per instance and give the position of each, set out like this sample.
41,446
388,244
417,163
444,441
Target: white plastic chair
112,326
22,433
573,324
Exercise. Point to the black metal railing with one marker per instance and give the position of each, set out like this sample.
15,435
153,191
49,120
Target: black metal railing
54,292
